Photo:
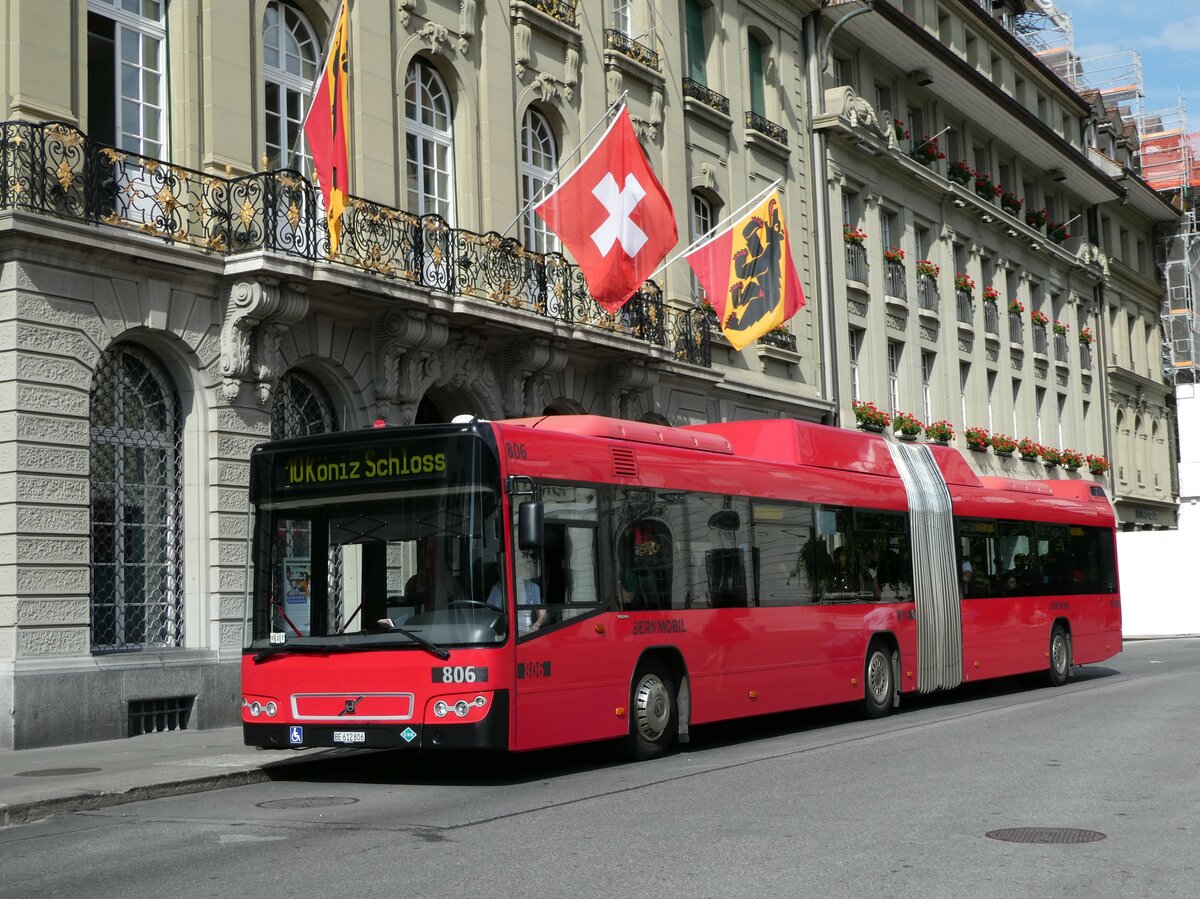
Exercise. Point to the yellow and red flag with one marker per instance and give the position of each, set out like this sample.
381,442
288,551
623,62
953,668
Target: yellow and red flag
748,275
326,127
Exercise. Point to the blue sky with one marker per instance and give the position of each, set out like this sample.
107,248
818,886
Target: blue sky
1166,32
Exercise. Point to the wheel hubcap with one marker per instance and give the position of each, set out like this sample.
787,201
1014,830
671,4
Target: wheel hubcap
879,677
1058,653
652,707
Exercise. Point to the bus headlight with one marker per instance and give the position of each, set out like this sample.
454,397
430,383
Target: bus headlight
440,709
255,710
271,709
461,708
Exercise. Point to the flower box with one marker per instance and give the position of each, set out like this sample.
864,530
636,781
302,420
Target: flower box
978,439
870,417
894,255
940,432
1003,445
964,284
855,236
1086,336
928,150
905,424
927,269
1037,218
960,172
1039,318
991,294
1097,464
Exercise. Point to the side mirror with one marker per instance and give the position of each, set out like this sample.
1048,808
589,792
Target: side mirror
531,525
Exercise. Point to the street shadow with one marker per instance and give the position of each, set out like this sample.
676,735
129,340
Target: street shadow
489,768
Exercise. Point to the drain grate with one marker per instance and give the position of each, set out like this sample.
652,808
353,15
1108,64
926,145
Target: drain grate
1059,835
56,772
308,802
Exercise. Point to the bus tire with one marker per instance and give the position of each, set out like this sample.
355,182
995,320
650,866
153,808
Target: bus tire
1059,671
653,711
879,686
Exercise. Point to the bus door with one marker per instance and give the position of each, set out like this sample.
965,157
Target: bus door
566,687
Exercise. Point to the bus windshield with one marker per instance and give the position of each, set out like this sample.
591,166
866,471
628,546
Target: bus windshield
413,564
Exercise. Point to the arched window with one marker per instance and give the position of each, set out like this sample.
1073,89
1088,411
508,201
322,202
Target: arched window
539,162
302,408
291,60
429,142
136,504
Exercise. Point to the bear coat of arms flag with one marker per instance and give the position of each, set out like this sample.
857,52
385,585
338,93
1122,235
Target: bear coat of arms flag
326,125
613,215
748,275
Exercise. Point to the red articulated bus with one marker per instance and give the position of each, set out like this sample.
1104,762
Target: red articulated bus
539,582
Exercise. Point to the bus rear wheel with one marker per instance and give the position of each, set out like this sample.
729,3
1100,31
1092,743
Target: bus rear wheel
653,711
879,685
1060,657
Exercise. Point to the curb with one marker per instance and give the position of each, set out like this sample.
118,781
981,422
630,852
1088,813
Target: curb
35,810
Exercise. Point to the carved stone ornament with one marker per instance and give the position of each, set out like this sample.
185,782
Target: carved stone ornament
522,39
406,8
546,87
705,176
466,24
408,344
614,82
529,363
627,380
435,35
255,314
570,73
644,128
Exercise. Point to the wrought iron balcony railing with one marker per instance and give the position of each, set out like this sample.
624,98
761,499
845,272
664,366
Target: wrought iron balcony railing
1039,339
563,10
856,263
1085,357
777,133
1060,348
1015,332
991,319
706,95
627,46
53,169
927,294
895,284
966,307
785,340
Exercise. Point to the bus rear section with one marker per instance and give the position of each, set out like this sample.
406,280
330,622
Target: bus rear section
373,619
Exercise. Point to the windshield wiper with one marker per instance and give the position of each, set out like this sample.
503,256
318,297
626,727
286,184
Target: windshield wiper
433,648
271,652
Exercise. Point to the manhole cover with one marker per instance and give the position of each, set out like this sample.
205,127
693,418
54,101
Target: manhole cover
56,772
308,802
1045,835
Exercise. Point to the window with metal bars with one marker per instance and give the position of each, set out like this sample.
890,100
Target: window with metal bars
303,409
136,503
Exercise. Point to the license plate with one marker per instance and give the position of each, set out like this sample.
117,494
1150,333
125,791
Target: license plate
349,736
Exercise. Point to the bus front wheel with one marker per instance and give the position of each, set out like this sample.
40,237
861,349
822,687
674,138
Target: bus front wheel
653,711
879,686
1060,657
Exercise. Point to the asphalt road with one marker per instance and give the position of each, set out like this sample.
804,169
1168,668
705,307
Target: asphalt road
818,804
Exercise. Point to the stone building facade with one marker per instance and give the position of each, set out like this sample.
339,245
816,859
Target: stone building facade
169,298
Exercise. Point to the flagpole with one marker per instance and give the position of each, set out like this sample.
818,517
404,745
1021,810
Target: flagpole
549,181
715,229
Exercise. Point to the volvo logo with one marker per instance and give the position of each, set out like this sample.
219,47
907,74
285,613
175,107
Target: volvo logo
351,707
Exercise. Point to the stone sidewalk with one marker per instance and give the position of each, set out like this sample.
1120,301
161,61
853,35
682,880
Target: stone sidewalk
35,783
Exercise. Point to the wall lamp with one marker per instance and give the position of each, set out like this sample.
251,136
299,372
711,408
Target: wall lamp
920,77
1057,175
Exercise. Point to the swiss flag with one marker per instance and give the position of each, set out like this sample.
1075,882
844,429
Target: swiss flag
613,215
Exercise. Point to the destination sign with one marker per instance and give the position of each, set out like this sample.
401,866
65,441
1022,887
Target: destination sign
365,465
